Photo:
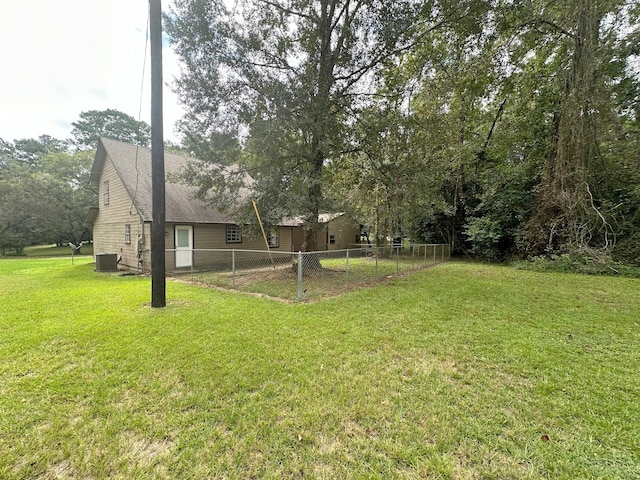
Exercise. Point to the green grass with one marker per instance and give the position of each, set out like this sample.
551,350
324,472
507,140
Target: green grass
462,371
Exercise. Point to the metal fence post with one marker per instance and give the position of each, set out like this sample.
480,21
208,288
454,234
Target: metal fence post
376,251
299,276
434,254
397,260
347,272
233,267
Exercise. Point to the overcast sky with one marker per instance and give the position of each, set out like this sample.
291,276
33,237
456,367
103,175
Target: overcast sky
62,57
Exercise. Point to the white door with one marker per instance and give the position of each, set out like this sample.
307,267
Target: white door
184,246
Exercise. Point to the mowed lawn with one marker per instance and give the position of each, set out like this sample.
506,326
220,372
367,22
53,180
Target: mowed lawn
462,371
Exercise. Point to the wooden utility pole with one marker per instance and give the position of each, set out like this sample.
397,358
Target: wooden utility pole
158,280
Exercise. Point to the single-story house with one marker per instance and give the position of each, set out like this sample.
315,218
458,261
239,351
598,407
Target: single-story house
341,232
337,232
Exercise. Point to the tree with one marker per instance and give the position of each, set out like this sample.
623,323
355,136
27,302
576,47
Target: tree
30,151
42,195
504,128
68,179
109,123
438,108
285,77
563,67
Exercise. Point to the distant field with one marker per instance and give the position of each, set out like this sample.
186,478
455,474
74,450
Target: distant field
51,251
54,251
461,371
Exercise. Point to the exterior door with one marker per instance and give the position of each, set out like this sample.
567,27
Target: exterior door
184,246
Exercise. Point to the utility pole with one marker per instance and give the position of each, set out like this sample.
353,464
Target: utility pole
158,280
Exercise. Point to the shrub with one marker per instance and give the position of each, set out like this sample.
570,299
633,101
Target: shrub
577,263
485,234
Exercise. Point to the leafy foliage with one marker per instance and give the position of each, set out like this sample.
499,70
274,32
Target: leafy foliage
109,123
284,77
504,128
43,198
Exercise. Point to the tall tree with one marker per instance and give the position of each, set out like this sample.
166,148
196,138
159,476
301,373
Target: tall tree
568,216
286,76
30,151
109,123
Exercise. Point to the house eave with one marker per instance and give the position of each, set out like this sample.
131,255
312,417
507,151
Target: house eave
92,214
98,165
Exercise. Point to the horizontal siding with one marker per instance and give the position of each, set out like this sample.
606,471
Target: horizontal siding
214,236
210,236
345,234
146,251
286,239
108,228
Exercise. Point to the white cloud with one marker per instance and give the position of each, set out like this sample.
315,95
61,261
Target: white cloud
60,58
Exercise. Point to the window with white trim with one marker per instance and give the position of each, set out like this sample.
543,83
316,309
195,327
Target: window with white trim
234,234
273,239
105,192
127,234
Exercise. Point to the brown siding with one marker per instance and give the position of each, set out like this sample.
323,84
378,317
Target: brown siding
286,239
146,250
210,236
345,233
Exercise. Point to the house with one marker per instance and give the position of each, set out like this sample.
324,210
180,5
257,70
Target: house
122,220
337,232
341,232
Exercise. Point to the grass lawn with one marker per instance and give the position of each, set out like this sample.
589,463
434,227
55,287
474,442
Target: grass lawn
54,251
462,371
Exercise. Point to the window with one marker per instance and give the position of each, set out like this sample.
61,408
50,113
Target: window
127,234
332,239
273,239
105,192
234,234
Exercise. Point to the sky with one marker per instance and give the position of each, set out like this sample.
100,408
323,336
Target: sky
59,58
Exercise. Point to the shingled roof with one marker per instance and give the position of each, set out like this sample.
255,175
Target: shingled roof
133,166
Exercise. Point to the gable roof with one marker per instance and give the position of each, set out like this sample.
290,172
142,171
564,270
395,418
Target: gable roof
133,166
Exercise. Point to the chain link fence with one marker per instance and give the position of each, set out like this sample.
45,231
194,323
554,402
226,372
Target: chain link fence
303,275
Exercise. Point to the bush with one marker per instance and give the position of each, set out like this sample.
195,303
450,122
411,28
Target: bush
11,246
485,234
628,250
577,263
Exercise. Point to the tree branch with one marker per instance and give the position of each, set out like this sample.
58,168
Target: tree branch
549,23
493,126
287,10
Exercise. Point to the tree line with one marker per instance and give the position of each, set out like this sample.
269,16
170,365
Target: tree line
44,181
503,128
507,129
